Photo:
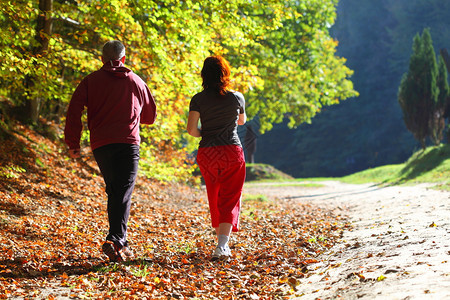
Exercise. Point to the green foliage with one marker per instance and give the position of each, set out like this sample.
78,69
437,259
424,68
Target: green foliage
423,92
282,56
298,65
375,38
442,103
410,17
167,169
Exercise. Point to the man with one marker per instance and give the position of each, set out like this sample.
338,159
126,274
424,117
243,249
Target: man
117,101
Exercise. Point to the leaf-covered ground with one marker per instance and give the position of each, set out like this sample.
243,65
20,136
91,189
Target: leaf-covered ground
53,221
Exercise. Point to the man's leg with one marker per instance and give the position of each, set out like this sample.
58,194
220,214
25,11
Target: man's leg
119,165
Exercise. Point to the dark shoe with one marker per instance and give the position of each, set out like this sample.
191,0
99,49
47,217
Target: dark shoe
126,253
112,251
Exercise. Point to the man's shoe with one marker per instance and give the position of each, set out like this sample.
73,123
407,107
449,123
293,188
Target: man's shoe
221,253
112,251
126,253
116,253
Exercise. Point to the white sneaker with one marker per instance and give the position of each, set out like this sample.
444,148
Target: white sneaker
222,253
228,250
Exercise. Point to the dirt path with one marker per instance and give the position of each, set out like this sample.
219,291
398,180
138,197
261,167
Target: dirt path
399,247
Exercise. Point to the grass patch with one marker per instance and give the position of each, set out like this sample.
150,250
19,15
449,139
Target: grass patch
110,268
255,197
383,174
141,271
186,247
11,171
257,172
431,165
284,183
301,184
290,180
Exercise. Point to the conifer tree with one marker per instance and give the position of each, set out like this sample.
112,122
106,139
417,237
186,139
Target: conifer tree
441,105
418,92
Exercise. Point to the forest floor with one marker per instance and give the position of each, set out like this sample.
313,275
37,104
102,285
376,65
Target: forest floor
398,246
53,222
308,242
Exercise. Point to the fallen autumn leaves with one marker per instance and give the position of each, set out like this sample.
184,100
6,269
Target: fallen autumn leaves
53,221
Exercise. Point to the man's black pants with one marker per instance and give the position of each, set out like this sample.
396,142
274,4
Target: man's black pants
119,166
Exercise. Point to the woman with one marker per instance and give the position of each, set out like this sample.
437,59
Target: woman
220,155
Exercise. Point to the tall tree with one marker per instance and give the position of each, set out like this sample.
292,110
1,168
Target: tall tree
283,57
418,92
446,58
298,64
375,37
42,37
441,105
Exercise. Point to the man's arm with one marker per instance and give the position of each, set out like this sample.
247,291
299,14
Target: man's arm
148,114
73,128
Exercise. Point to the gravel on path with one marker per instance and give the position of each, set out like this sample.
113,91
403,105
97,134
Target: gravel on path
398,247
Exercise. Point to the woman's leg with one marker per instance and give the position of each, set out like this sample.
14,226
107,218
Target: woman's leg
223,169
232,178
223,233
224,229
209,169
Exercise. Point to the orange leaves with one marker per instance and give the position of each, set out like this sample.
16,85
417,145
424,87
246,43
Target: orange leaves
54,222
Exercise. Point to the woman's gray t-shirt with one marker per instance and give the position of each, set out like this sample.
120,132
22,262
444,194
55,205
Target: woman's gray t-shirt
219,115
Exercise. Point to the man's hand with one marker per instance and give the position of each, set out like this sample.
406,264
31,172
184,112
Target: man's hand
74,153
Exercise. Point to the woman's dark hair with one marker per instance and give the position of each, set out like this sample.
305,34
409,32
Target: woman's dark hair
216,74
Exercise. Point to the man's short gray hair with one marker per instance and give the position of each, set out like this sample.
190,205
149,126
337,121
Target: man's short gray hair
113,50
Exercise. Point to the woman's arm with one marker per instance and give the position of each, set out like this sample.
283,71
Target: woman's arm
242,119
192,124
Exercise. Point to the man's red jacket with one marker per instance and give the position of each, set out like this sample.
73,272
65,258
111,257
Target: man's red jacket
117,101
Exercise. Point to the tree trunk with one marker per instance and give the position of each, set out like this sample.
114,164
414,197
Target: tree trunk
44,26
43,33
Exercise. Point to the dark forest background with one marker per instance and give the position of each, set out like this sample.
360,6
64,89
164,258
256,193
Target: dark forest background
368,131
